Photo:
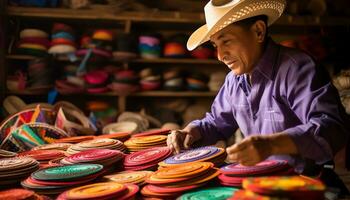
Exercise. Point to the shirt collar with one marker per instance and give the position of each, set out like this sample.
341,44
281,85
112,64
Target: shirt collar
266,65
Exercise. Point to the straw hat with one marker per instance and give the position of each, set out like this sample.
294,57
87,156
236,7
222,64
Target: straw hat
220,13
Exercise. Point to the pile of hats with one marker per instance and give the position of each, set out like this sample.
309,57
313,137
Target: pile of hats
43,156
125,82
147,159
139,118
149,80
62,39
216,80
171,182
234,174
103,143
197,81
13,170
204,51
145,142
127,177
106,190
74,122
202,154
101,113
105,157
55,180
33,42
20,193
70,83
150,46
100,44
40,75
96,81
120,127
283,187
209,193
125,47
173,80
175,47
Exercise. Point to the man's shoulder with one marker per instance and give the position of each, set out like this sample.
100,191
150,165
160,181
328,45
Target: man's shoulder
292,59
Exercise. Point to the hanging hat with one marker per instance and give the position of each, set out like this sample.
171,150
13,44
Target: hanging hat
221,13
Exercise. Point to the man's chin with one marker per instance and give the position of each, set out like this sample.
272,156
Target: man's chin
236,72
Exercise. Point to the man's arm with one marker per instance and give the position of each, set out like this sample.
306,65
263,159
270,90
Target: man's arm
219,123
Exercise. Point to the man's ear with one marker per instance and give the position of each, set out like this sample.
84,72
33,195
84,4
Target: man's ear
259,30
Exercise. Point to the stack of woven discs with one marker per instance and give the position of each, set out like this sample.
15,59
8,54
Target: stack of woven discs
149,46
152,132
105,157
205,154
75,139
170,182
43,156
127,177
53,146
13,170
33,42
141,143
104,143
147,159
19,193
150,80
283,187
7,154
125,82
55,180
106,190
217,193
233,174
121,136
63,39
197,82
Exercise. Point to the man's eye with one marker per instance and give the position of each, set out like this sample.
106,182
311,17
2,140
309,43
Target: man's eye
226,42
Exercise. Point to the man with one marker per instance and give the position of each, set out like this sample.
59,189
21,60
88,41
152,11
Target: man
283,103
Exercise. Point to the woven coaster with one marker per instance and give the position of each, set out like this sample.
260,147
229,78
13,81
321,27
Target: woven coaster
210,193
148,156
135,177
152,132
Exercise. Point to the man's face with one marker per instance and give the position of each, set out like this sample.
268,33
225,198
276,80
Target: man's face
237,47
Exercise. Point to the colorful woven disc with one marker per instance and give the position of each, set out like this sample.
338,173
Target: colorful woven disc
152,155
97,190
216,193
264,167
193,155
65,173
135,177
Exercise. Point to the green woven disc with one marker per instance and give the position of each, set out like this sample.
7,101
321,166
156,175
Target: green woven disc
214,193
69,172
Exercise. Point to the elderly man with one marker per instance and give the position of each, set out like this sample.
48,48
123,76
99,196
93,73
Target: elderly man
283,103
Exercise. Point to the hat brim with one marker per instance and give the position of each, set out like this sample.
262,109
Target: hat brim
203,33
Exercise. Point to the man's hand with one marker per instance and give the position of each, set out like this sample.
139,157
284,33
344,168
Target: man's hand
249,151
257,148
183,139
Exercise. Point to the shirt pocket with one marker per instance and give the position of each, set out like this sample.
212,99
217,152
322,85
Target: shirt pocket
273,120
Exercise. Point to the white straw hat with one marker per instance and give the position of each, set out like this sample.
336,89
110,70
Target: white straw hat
220,13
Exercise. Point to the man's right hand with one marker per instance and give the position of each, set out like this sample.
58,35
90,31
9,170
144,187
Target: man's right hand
183,139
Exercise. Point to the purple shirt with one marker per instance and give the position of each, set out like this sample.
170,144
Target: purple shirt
289,94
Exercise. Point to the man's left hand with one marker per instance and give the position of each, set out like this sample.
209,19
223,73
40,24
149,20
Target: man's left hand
250,150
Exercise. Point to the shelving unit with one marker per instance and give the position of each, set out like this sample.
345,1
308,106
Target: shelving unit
127,21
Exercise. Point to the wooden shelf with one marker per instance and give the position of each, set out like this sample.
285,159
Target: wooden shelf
138,94
174,94
107,13
139,60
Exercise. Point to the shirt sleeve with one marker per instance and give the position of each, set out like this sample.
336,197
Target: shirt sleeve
324,129
219,123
